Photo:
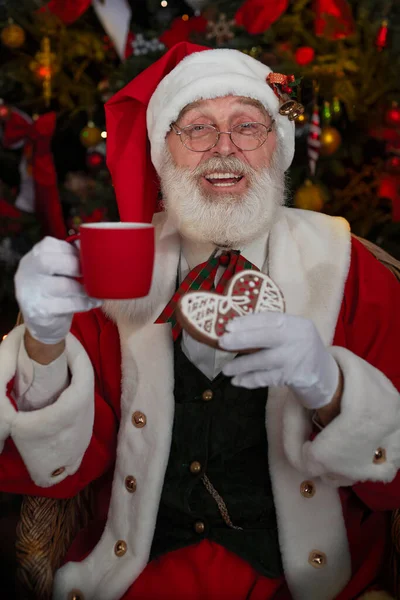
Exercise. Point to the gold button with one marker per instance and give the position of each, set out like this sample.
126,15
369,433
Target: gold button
379,456
120,548
130,484
58,472
76,595
207,395
195,467
139,419
317,559
307,489
199,527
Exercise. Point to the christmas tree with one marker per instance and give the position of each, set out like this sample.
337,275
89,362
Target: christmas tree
62,60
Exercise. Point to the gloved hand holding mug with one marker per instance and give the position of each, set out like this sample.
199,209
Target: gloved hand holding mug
47,291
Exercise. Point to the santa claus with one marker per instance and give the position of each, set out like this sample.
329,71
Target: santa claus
234,476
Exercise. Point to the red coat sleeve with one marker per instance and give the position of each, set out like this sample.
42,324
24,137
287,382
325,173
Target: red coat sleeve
369,326
99,336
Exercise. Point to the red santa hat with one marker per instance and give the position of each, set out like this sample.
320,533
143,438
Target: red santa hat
139,116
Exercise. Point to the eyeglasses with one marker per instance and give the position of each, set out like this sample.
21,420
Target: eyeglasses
200,138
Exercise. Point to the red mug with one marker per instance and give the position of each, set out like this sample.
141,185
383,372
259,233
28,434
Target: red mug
117,259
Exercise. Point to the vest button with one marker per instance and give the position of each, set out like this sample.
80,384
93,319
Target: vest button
130,484
139,419
76,595
195,467
379,456
307,489
207,395
317,559
199,527
58,472
120,548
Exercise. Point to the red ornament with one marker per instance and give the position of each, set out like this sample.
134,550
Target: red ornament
4,112
94,160
333,19
392,116
393,164
390,188
256,16
304,55
381,38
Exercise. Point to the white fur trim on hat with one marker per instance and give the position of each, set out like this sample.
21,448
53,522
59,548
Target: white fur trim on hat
213,74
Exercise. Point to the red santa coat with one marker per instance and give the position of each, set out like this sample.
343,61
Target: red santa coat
353,301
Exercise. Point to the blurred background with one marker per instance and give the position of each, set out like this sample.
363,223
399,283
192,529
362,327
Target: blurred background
61,60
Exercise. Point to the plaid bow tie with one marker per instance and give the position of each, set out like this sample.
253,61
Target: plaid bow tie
202,278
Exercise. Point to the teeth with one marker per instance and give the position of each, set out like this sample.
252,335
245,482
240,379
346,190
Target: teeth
224,184
222,176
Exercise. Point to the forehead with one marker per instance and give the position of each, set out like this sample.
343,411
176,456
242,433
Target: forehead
226,103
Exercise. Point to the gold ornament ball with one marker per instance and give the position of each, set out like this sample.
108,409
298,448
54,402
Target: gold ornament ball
330,140
90,135
301,120
310,196
13,36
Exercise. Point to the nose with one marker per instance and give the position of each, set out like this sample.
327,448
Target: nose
225,146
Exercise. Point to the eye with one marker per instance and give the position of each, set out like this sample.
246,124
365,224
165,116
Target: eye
198,130
250,128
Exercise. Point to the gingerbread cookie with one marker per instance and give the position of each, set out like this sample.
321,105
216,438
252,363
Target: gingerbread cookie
204,315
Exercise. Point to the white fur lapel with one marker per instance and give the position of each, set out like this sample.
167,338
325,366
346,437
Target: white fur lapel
309,257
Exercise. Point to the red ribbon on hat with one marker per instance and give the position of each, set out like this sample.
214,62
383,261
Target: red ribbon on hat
38,134
283,81
134,177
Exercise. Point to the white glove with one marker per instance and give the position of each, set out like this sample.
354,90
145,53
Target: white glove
291,353
47,294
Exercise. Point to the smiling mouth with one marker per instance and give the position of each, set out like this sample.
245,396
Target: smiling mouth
223,179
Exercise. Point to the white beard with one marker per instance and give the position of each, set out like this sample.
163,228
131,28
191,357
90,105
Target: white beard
226,220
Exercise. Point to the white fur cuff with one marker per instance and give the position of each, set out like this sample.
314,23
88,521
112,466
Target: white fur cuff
363,442
52,440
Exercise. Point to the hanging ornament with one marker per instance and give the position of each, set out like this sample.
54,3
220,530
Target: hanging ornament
336,107
313,140
392,115
5,111
382,36
12,36
90,135
327,112
45,66
221,30
330,140
310,196
304,55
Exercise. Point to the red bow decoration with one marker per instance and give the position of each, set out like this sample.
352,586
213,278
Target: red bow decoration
256,16
67,12
333,19
37,134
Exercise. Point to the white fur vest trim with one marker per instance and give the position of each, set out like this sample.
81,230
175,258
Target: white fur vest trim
309,256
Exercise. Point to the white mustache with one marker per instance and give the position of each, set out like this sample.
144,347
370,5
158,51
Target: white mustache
229,164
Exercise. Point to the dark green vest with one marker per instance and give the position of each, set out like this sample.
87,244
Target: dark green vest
223,430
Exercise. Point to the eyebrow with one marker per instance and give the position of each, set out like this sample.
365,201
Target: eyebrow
241,100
